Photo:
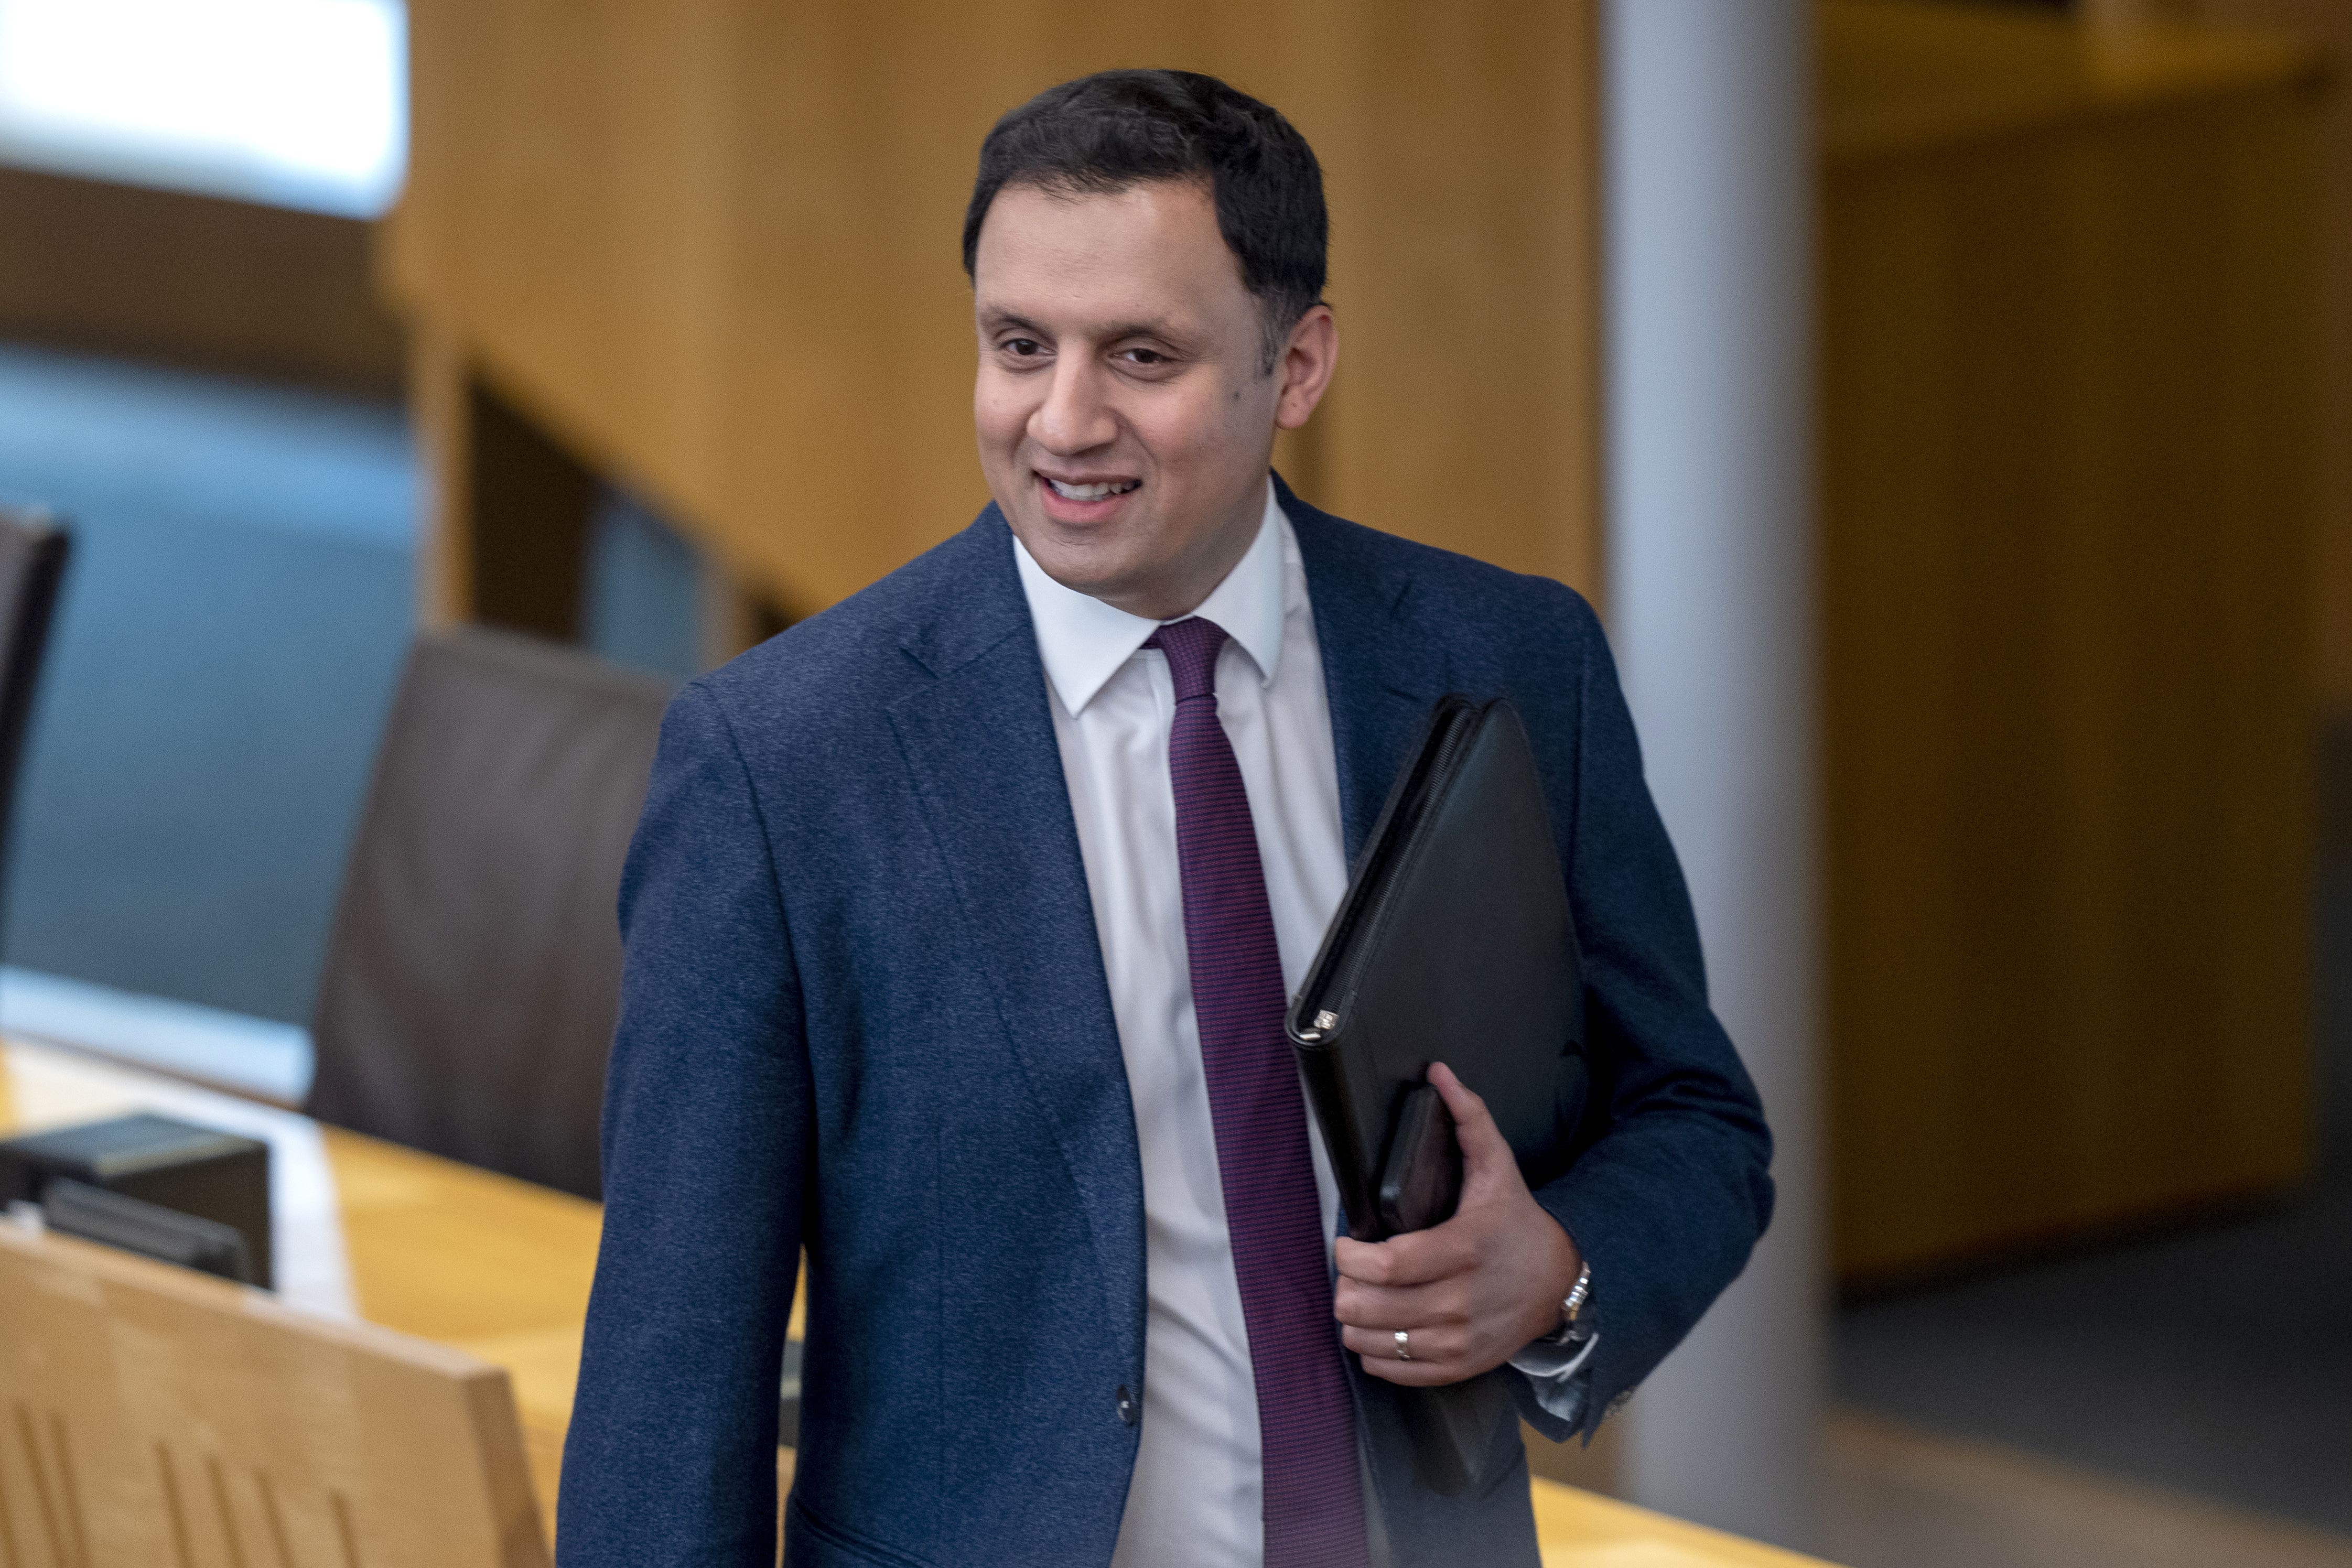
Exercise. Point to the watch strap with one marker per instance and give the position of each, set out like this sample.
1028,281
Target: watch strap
1573,1330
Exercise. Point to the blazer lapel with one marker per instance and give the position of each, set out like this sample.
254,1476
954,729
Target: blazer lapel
1380,676
979,740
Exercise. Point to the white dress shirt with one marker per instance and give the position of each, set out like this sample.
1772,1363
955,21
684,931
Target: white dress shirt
1195,1499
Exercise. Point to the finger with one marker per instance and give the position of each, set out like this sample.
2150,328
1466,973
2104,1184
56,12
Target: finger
1365,1260
1430,1346
1473,1125
1417,1257
1416,1372
1471,1118
1380,1307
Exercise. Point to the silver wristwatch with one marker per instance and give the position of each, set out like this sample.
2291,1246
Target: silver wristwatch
1571,1331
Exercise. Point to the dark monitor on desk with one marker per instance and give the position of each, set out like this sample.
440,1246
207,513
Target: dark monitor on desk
94,1214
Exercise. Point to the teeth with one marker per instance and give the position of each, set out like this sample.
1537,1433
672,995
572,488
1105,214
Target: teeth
1092,492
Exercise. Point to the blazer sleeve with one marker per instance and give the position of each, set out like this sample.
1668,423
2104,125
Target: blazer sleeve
671,1454
1670,1198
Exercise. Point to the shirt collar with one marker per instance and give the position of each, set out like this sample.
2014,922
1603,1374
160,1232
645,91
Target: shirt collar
1083,641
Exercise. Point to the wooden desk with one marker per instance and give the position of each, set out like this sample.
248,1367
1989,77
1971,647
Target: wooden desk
502,1269
371,1230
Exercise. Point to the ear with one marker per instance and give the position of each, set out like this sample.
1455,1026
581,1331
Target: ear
1305,367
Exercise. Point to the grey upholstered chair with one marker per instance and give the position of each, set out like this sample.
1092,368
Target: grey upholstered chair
474,972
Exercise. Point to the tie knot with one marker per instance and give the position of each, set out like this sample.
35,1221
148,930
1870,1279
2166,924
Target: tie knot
1192,646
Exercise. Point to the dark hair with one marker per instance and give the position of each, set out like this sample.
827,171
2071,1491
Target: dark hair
1113,130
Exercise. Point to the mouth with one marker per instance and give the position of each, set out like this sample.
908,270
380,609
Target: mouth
1099,491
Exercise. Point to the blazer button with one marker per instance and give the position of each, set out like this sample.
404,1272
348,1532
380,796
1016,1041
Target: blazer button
1125,1406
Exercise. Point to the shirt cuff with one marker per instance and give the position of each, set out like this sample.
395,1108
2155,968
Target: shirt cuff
1560,1375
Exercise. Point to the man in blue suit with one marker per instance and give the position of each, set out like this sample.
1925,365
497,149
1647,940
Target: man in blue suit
960,924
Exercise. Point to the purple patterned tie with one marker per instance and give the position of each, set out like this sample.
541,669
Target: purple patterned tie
1307,1428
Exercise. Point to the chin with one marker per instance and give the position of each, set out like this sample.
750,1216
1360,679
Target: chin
1082,571
1092,560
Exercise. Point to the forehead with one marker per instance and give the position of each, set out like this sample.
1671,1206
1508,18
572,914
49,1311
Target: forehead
1149,251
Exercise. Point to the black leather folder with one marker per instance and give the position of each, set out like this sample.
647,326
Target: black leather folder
1453,944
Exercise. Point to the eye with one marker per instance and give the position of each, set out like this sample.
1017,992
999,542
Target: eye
1145,356
1023,347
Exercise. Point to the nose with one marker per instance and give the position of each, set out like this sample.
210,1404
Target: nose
1075,416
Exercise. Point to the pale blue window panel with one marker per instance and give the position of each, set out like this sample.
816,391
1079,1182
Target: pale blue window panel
296,103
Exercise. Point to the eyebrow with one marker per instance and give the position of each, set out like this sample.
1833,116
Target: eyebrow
998,320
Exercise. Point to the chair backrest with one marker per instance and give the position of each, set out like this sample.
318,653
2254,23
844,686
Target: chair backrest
474,972
154,1416
33,550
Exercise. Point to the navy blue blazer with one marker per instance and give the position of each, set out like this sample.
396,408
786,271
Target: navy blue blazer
864,1013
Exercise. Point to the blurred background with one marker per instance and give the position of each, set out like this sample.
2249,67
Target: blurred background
1946,404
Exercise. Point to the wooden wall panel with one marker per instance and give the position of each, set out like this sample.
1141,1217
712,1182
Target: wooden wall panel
2068,447
713,247
199,279
2327,23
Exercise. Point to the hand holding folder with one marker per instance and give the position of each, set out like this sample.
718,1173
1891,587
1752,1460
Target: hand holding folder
1453,944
